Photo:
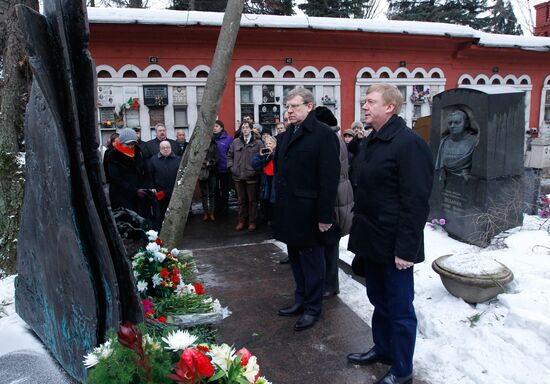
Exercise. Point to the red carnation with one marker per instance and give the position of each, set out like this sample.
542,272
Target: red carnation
164,273
199,289
159,242
245,356
162,319
175,279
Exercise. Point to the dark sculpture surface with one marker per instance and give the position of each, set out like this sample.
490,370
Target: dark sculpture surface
74,277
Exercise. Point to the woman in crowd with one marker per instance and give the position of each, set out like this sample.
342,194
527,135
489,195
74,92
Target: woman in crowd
129,180
239,161
208,181
223,143
263,163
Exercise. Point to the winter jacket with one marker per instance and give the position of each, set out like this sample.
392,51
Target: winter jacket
152,147
395,178
344,197
239,158
163,173
126,176
267,186
223,141
211,160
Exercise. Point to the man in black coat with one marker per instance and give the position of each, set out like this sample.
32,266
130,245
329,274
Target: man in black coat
151,147
307,171
391,208
163,168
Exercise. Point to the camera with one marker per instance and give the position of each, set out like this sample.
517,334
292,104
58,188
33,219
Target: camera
265,151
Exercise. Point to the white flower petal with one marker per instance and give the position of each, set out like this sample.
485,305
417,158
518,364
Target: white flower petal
179,340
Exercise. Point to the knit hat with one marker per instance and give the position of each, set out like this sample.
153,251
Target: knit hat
325,115
349,132
127,135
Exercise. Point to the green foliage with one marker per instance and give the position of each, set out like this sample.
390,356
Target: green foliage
339,8
182,304
462,12
260,7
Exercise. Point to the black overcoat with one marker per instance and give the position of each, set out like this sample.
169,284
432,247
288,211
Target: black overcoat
307,172
126,176
163,172
391,199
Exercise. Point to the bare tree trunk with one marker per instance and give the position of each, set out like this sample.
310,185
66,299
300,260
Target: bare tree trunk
176,215
15,92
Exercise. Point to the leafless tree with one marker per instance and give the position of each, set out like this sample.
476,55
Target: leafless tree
176,215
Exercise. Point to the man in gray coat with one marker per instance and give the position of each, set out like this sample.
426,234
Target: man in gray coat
307,170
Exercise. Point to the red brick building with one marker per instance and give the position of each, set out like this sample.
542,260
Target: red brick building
162,58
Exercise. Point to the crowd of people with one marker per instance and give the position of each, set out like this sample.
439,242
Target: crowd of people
313,184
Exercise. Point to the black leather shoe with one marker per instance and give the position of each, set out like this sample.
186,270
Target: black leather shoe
305,322
294,309
286,260
390,378
368,358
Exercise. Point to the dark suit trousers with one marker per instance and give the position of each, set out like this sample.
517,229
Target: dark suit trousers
391,292
308,268
332,255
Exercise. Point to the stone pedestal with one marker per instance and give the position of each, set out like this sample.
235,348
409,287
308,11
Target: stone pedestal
490,199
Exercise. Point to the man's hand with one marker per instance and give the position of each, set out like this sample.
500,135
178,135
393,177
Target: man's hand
324,227
141,193
402,264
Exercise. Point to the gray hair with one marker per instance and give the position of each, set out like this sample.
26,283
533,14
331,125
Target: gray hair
305,94
356,124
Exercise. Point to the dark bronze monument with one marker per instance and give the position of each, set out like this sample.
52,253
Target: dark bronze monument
477,140
74,277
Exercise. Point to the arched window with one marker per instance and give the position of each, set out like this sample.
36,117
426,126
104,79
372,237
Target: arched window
104,74
129,74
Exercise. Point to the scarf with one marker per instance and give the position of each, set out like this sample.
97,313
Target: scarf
130,152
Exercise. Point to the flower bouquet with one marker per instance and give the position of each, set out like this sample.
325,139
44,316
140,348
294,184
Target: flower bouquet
170,293
178,357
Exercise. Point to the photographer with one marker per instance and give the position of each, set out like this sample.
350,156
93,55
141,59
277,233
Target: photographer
263,163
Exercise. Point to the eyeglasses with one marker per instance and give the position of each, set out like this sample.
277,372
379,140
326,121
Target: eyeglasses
293,106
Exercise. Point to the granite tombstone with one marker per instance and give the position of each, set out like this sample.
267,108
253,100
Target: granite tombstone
477,140
74,278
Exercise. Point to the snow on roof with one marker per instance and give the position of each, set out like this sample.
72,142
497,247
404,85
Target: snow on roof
170,17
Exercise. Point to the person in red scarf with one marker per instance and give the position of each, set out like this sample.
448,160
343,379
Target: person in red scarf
129,181
263,162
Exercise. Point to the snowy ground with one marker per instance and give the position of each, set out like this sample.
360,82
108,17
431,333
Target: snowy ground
506,340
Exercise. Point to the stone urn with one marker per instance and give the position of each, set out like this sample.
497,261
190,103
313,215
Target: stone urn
472,277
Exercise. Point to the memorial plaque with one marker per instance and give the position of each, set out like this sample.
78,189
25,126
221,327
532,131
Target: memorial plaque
179,95
477,141
268,94
155,95
105,97
270,114
247,109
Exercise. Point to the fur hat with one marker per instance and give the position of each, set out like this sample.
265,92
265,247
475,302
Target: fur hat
349,132
127,135
325,115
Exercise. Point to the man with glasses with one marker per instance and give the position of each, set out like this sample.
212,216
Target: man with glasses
307,171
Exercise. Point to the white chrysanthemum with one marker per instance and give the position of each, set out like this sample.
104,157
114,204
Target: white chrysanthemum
181,289
174,252
179,340
142,286
160,256
104,350
190,288
252,369
90,360
156,280
152,235
148,341
222,356
152,247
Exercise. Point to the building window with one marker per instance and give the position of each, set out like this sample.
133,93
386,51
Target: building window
418,88
180,117
263,93
547,107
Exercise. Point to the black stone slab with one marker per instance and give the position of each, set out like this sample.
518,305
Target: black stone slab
74,280
491,199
